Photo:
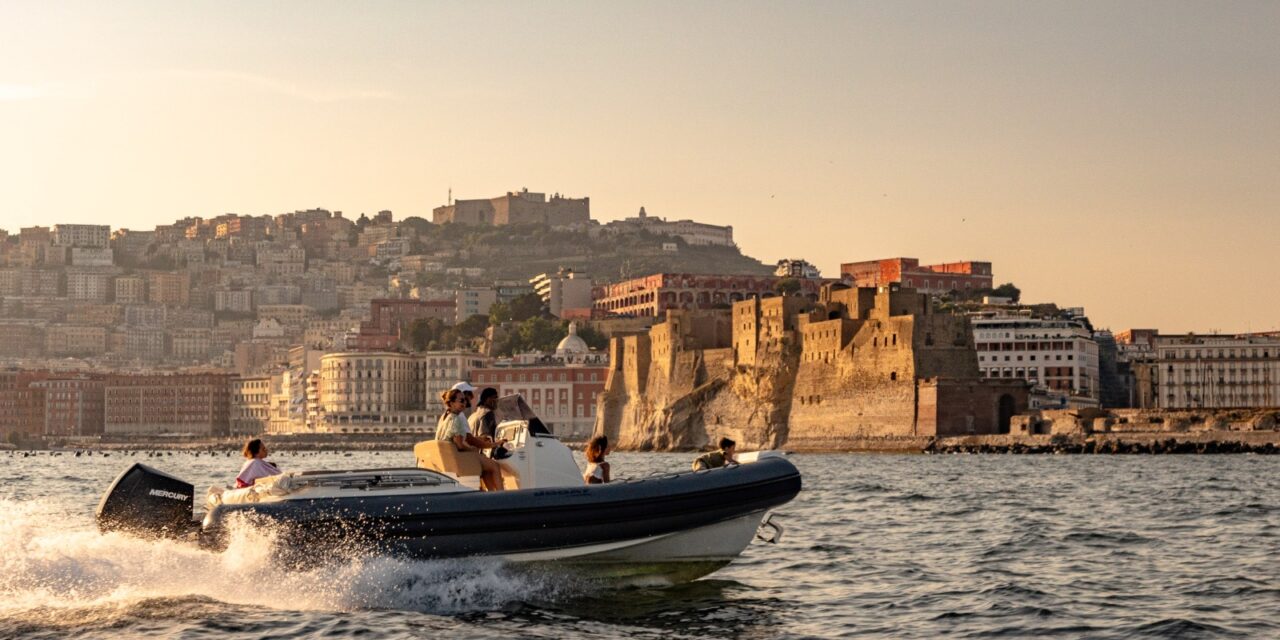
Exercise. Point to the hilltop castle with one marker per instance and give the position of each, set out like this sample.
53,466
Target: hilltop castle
516,207
804,372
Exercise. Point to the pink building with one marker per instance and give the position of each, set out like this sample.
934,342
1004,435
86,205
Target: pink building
933,279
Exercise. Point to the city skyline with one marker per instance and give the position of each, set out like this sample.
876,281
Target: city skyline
1112,157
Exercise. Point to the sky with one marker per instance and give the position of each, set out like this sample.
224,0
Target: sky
1122,157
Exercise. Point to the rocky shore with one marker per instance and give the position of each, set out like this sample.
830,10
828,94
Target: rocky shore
1210,442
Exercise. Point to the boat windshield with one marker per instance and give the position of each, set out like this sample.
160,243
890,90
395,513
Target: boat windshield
513,407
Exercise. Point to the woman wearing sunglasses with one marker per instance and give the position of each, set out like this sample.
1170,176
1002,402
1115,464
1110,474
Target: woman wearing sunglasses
453,428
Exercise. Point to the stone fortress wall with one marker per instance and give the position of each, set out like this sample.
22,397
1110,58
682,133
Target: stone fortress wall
516,207
805,373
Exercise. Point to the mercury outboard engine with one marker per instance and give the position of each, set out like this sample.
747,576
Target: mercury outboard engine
148,503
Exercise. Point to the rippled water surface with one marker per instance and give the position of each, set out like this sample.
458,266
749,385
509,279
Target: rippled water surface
875,546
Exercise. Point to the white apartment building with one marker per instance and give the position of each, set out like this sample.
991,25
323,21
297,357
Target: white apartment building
290,315
233,300
81,235
1057,354
250,405
373,392
192,343
473,301
131,290
91,257
90,286
698,234
563,290
443,369
69,340
1216,371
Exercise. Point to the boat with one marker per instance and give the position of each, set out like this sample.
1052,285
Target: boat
673,527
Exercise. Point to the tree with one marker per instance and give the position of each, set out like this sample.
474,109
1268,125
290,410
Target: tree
539,334
593,338
472,327
424,332
1007,290
787,286
499,312
527,306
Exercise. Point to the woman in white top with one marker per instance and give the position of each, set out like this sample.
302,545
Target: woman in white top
256,466
597,469
452,427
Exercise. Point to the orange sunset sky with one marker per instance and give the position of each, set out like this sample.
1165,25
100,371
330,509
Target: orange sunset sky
1123,157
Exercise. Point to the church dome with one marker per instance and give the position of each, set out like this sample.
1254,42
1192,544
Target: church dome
572,344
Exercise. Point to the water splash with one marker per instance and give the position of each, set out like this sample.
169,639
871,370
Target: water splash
54,574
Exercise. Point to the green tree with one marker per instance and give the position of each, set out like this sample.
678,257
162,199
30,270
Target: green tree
499,313
527,306
787,286
424,332
539,334
593,338
472,327
1007,290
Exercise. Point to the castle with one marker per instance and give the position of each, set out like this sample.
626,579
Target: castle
516,207
808,372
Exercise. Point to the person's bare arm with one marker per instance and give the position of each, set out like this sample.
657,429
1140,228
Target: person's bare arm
461,443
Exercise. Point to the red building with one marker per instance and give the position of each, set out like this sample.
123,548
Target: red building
564,397
653,295
198,404
73,405
22,403
394,315
934,279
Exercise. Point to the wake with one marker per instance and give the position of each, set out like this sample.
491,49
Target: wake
50,569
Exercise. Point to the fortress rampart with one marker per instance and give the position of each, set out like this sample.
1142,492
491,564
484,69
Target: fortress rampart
872,362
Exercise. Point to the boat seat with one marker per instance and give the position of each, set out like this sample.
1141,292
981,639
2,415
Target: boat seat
438,455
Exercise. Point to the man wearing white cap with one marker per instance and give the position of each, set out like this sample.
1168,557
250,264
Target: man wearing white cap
468,392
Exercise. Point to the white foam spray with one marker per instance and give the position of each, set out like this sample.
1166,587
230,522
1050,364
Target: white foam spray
50,570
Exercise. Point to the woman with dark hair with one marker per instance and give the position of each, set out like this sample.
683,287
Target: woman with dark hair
597,469
256,466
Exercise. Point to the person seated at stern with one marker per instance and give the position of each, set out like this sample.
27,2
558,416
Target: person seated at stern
256,466
453,428
725,456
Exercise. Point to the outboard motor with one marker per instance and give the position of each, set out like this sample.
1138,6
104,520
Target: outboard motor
148,503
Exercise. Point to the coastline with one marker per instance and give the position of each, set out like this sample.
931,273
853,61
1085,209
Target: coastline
217,446
1198,442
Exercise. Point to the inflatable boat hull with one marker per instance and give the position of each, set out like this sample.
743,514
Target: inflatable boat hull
695,519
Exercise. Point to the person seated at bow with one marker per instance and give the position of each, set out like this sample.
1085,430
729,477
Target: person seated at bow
725,456
256,466
453,428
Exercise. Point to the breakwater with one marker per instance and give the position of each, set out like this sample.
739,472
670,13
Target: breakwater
1266,443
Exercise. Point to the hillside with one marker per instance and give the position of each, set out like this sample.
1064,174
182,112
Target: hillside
519,252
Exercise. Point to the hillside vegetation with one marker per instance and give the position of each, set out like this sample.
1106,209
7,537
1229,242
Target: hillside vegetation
518,252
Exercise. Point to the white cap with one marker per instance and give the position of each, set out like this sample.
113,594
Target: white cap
464,387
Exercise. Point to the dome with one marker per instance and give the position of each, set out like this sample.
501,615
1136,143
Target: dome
572,344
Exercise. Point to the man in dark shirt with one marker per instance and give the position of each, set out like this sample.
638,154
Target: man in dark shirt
483,421
716,459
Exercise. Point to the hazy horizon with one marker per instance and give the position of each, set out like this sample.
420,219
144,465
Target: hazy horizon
1116,157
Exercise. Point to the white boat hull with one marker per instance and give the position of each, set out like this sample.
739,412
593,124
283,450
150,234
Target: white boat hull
669,558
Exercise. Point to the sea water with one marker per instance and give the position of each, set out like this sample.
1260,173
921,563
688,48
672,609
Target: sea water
875,546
